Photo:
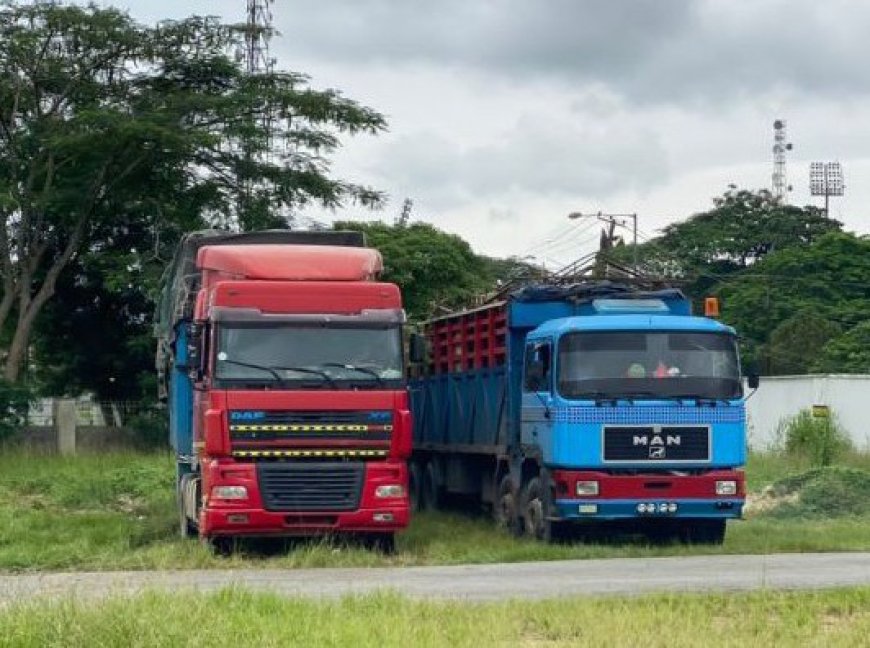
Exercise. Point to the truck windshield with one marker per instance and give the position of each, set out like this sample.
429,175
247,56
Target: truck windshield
648,365
302,356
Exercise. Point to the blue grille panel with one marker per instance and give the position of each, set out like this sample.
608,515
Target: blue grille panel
650,415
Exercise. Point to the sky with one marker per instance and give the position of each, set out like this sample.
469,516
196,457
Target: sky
506,115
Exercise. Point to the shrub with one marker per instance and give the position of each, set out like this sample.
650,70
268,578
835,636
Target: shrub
821,441
14,401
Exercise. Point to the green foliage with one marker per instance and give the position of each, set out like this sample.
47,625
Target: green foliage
832,491
433,268
849,353
796,344
828,278
108,125
821,440
14,402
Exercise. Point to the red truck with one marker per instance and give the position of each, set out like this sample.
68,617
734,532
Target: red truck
282,362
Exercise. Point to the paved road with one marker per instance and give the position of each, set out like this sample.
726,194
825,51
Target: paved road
479,582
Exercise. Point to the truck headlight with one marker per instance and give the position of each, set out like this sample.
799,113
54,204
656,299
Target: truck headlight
728,487
390,490
587,488
229,492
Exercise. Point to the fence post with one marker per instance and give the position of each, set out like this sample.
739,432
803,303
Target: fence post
65,425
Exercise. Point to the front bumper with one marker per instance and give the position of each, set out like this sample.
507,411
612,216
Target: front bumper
257,522
600,509
250,517
692,496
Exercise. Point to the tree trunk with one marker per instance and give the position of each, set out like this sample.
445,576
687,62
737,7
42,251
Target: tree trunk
18,347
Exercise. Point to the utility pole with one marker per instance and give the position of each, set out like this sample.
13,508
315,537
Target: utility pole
608,237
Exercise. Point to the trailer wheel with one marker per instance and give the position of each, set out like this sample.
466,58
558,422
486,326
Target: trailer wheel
431,499
703,532
505,508
414,487
186,526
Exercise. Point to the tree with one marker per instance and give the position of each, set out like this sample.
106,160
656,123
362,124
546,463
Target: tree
848,353
741,229
431,267
106,123
828,279
796,343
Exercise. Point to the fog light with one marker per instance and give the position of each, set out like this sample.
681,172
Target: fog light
726,487
641,508
587,488
663,507
229,492
383,517
390,490
672,507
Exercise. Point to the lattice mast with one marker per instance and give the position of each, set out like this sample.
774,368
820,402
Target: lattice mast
257,36
780,146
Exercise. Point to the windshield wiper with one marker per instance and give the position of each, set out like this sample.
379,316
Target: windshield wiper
698,398
270,370
351,367
273,369
315,372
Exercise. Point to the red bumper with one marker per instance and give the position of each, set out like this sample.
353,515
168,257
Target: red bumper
249,518
642,487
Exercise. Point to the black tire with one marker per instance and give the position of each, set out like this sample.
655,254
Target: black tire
535,514
220,546
504,509
384,543
703,532
431,499
415,487
186,527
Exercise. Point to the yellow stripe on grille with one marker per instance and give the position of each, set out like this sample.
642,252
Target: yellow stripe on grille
303,428
310,453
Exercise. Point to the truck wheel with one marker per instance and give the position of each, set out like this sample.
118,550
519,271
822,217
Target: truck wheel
414,487
431,499
504,509
221,546
535,514
384,543
186,527
703,532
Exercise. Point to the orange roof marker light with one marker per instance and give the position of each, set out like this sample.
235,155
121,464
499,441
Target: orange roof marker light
711,307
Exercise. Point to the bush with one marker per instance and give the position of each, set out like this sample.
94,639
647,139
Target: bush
14,402
834,491
151,426
821,441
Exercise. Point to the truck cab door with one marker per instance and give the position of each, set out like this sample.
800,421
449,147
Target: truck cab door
537,398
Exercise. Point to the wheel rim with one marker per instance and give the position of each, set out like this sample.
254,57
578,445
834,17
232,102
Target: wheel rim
535,518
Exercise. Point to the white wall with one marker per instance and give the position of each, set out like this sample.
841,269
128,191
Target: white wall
782,397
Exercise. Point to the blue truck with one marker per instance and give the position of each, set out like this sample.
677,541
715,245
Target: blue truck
590,407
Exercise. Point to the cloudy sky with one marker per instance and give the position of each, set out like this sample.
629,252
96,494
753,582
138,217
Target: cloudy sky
505,115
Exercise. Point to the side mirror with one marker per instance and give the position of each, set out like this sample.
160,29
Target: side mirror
752,380
417,348
194,355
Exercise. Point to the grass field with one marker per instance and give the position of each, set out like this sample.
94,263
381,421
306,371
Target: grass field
233,617
118,512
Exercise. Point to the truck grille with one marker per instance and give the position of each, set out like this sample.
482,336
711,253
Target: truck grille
656,443
310,486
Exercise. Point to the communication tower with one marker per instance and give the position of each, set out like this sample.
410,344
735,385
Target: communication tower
780,146
258,32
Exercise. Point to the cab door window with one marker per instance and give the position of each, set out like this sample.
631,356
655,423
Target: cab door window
537,371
